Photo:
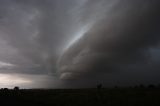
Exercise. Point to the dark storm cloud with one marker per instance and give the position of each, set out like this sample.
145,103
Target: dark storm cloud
35,32
119,42
91,40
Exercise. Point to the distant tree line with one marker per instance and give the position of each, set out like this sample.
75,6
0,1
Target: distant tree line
100,86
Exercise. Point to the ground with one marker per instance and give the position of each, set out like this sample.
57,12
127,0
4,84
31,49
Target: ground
82,97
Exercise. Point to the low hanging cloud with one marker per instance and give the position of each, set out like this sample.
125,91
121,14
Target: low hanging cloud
122,40
81,40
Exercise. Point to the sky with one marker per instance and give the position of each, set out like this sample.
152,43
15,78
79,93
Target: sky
79,43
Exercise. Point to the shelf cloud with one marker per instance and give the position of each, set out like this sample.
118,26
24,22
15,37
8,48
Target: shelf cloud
81,42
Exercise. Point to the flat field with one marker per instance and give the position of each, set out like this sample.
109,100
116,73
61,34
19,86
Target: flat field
81,97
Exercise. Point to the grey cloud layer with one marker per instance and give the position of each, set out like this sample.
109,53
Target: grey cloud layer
120,41
85,39
36,32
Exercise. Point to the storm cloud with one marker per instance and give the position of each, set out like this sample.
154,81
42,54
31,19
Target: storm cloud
80,41
121,41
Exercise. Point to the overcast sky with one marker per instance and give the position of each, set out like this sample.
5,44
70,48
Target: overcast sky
79,43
